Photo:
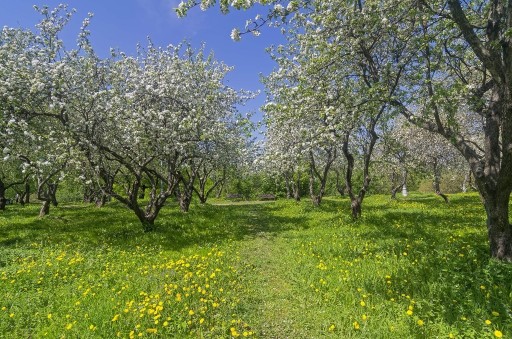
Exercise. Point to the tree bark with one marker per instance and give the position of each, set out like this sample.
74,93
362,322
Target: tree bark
45,208
52,192
498,226
287,180
3,200
437,181
27,193
185,200
314,173
340,185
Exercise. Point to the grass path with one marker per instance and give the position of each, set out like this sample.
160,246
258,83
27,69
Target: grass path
274,295
272,289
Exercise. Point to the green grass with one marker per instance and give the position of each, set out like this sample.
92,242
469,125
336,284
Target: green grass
411,268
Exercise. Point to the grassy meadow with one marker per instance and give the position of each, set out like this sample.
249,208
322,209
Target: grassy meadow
411,268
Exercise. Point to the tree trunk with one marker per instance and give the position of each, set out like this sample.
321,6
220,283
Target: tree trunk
101,199
498,226
315,199
287,179
202,198
340,184
88,196
437,181
52,192
27,193
220,190
400,186
3,200
394,187
185,199
355,206
296,188
148,224
45,208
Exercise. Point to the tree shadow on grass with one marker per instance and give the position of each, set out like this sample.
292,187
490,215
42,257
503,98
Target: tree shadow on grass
86,225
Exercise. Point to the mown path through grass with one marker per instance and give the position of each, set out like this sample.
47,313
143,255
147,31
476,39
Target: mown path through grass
273,294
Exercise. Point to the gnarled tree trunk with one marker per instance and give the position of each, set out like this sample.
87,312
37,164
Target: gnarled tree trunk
3,200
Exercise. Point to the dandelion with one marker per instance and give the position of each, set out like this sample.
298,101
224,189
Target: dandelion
92,327
69,326
116,317
409,312
364,317
362,303
151,330
487,322
496,314
165,324
356,325
234,332
49,316
11,315
190,312
498,334
331,328
420,322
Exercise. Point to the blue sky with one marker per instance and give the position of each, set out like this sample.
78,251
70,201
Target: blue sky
123,24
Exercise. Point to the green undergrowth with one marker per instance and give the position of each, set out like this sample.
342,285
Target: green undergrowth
410,268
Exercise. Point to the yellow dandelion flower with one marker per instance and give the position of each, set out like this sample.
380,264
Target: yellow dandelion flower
420,322
151,330
234,332
245,334
356,325
191,312
116,317
165,324
362,303
498,334
364,317
496,314
11,315
331,328
409,312
92,327
201,320
487,322
49,316
69,326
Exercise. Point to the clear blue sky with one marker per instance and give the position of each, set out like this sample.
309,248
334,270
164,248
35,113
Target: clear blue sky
123,24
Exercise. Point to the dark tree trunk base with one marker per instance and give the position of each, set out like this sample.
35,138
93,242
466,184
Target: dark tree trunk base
444,196
356,208
45,208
